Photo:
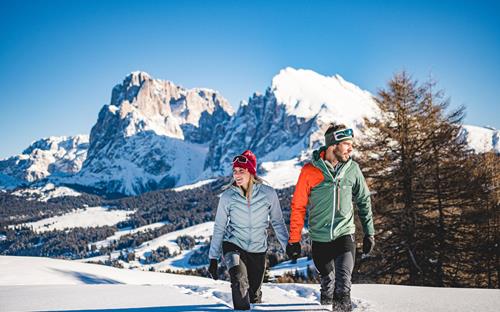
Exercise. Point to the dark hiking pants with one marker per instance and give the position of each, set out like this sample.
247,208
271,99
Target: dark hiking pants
335,261
246,270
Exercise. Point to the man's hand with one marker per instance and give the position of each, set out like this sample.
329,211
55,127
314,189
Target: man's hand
293,250
368,244
212,269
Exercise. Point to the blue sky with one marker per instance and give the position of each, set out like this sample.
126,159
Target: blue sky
60,59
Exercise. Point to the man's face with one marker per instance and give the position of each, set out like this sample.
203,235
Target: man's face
341,151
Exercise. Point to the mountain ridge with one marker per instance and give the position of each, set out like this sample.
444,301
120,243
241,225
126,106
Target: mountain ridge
154,134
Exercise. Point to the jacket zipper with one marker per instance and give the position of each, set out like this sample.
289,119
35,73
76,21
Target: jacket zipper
338,195
250,219
335,189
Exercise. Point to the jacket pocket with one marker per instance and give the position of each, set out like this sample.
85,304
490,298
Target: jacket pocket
345,198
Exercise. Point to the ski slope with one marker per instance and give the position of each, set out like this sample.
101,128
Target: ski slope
34,284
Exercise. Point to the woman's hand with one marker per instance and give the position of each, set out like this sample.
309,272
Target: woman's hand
212,269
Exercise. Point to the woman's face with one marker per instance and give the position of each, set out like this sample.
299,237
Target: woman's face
241,176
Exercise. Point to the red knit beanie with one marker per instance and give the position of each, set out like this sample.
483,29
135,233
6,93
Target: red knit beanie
250,163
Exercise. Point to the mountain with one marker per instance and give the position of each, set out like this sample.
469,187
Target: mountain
291,117
482,139
52,156
152,135
54,284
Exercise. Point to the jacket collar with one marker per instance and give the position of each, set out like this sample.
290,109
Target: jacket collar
318,160
255,189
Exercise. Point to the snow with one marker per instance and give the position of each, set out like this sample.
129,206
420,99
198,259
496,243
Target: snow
118,234
290,267
153,131
201,232
281,174
194,185
147,110
85,217
305,93
45,271
178,263
186,160
34,284
482,139
46,192
62,155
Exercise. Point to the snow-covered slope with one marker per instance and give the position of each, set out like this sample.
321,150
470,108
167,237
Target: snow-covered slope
141,163
180,262
34,284
49,156
45,192
281,174
126,231
482,139
85,217
194,185
301,266
306,93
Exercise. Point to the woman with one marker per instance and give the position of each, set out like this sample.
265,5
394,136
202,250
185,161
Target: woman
240,230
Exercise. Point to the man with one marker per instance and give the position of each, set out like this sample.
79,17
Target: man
329,183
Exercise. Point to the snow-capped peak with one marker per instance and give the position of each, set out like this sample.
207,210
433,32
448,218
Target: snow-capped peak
153,134
161,106
45,157
137,77
482,139
57,142
305,93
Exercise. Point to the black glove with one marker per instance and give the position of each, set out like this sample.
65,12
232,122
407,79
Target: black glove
368,244
212,269
293,250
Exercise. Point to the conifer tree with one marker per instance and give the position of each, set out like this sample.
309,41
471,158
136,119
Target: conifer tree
419,168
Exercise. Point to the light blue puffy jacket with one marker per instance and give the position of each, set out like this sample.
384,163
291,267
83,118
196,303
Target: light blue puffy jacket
244,222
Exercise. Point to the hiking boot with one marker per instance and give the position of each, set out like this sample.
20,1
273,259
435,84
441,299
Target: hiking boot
342,302
326,300
257,297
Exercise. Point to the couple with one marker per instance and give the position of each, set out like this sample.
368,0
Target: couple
329,184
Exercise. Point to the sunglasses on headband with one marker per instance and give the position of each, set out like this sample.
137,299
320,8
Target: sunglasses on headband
343,134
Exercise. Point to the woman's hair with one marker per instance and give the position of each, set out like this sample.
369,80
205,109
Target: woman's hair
254,179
